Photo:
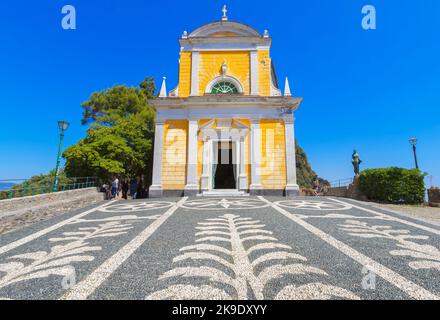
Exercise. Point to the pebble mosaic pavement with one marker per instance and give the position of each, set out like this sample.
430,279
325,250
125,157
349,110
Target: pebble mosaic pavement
247,248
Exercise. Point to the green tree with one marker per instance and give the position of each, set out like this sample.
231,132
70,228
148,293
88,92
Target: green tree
108,106
119,139
394,185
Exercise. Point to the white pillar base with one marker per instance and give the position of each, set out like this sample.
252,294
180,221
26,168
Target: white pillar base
292,190
155,191
256,189
205,182
191,190
242,183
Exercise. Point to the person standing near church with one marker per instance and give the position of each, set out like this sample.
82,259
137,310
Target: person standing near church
115,187
124,188
133,188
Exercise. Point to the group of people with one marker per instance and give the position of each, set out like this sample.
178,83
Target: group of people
121,189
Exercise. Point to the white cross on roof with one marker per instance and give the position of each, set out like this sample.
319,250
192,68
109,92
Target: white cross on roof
224,10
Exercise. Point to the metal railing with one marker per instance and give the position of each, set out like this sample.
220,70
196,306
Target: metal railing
341,183
43,188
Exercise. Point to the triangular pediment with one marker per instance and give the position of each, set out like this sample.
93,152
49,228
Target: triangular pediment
218,124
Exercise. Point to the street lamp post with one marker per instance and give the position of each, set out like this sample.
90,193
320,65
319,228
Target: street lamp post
413,142
63,125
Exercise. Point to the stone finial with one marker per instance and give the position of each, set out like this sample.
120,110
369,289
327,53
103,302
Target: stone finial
224,68
225,11
163,89
185,34
266,34
287,92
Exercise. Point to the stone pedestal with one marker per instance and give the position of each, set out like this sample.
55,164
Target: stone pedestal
434,197
354,190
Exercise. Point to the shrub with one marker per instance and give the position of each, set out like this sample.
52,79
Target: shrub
395,185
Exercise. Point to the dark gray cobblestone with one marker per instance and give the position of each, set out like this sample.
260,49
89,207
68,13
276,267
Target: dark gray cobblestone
215,248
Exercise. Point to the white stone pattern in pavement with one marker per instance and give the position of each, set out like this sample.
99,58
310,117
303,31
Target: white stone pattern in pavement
313,205
45,231
137,206
233,231
224,204
42,264
425,255
90,283
412,289
392,218
76,248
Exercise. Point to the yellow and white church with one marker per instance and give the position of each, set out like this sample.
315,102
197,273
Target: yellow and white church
226,129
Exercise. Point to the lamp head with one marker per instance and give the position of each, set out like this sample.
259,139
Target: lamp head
413,141
63,125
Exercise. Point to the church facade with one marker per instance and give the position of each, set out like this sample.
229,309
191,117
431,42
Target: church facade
226,129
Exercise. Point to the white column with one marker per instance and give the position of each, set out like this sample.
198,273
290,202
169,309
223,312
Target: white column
206,166
242,178
155,190
256,186
254,73
192,186
292,188
195,58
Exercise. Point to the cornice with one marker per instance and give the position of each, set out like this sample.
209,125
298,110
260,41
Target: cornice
226,102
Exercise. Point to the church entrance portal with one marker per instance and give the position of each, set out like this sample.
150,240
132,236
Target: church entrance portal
225,165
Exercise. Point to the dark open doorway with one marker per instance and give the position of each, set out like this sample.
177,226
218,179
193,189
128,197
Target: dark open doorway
224,174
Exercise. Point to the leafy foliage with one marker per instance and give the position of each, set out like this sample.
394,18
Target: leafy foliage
109,106
38,183
395,185
120,137
305,173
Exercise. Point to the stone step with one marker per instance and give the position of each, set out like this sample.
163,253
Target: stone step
224,193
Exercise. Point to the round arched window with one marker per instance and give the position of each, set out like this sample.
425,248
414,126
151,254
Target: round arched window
224,87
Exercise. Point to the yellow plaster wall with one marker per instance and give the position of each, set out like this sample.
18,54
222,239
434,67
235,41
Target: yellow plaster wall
185,74
238,66
264,68
273,154
174,155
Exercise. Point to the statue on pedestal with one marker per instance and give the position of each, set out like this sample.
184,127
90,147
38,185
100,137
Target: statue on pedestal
356,161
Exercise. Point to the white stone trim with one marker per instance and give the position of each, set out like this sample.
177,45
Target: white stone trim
191,178
195,60
232,101
163,88
227,78
254,72
157,157
224,113
225,45
174,92
235,145
242,177
224,26
274,91
292,187
205,180
255,155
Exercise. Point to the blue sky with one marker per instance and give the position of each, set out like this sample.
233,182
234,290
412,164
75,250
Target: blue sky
364,90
